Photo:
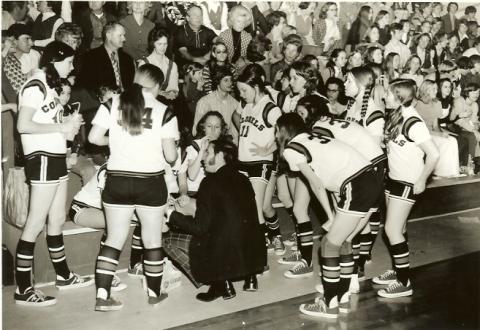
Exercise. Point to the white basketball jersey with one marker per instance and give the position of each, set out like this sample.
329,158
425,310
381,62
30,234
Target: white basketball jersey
138,154
405,157
257,126
352,134
333,161
373,119
36,94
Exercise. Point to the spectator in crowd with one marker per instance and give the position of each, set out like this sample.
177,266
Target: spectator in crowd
372,39
14,12
92,21
303,21
137,28
108,65
437,11
326,30
335,90
461,32
47,23
450,20
276,21
391,66
396,46
336,65
194,41
236,38
193,91
374,55
470,13
219,100
291,50
258,24
424,52
412,70
70,34
474,50
219,58
19,64
359,27
157,45
473,76
440,43
223,241
215,15
453,50
382,20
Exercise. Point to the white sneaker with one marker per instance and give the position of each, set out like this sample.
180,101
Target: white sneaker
386,278
395,290
300,270
354,284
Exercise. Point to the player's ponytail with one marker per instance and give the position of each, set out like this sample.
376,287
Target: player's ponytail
405,90
316,107
131,108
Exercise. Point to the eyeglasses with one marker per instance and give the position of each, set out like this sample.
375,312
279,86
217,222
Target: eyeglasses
332,90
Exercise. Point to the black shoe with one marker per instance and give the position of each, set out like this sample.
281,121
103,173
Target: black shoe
229,290
212,294
251,284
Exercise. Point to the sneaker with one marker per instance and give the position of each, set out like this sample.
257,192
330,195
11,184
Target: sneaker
157,300
386,278
292,240
136,271
395,290
301,269
278,246
34,298
117,284
269,244
344,304
320,309
75,281
319,288
354,284
291,259
107,305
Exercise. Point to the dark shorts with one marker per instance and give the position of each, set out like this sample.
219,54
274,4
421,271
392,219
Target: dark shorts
76,209
42,169
257,170
379,170
360,194
130,191
400,190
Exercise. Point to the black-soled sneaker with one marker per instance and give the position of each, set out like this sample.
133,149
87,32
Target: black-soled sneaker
153,301
33,298
75,281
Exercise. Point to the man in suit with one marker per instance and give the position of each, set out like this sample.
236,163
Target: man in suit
92,21
108,65
223,241
450,21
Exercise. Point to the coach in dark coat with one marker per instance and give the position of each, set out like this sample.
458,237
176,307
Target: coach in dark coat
227,242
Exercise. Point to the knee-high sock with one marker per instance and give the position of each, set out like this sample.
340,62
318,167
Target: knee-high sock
153,269
365,247
136,251
56,249
389,248
291,214
330,265
107,263
23,264
305,241
400,255
346,268
273,226
356,252
374,228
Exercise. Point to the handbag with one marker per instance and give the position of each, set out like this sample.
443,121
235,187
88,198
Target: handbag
16,197
172,277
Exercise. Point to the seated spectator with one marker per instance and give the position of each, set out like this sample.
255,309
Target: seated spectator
412,70
474,50
430,109
396,46
215,15
71,34
374,55
382,20
137,29
372,39
219,58
473,75
47,23
276,21
355,60
335,90
336,65
440,43
472,32
291,50
211,245
219,100
92,21
302,20
157,45
453,50
391,66
359,28
193,41
193,88
236,38
326,30
422,49
462,35
14,12
470,13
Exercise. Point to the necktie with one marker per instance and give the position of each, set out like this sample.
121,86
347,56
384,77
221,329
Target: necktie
116,69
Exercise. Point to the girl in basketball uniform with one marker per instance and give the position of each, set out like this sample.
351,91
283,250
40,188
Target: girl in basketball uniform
330,165
43,136
210,127
142,134
256,143
412,156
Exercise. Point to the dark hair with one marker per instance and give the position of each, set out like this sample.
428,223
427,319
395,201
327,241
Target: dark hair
438,37
406,67
333,56
464,63
380,15
61,83
273,19
154,35
220,73
11,5
289,125
370,51
316,107
55,51
202,121
68,29
474,59
212,62
364,10
476,41
324,9
470,87
257,48
363,72
470,10
342,98
293,39
226,146
308,72
56,6
254,75
448,100
395,27
451,4
110,26
132,104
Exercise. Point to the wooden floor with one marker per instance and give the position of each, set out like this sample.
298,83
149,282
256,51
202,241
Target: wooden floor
446,296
